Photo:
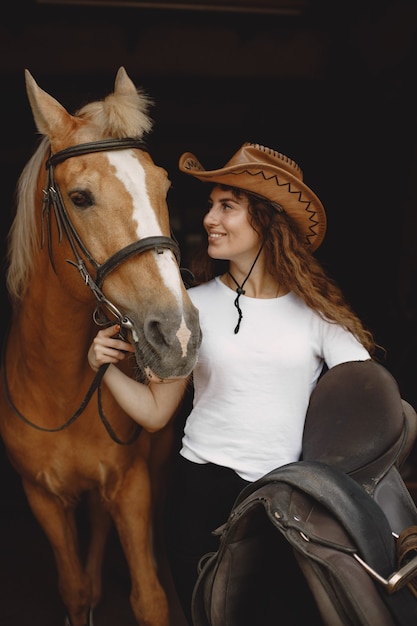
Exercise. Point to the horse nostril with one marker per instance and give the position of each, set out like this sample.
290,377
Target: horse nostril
157,333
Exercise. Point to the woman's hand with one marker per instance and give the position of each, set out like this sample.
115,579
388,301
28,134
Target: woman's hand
108,349
150,405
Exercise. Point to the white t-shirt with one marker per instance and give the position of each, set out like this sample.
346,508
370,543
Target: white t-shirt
252,389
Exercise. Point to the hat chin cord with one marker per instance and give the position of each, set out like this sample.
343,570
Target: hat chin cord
239,288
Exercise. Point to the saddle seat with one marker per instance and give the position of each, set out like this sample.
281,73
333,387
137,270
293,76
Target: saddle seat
357,422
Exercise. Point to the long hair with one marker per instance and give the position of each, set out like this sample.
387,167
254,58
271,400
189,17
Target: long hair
289,261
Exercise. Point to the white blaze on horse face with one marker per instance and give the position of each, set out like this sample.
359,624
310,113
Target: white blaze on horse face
183,334
132,175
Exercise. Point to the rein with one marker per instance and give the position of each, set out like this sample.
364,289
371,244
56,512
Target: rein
158,243
95,385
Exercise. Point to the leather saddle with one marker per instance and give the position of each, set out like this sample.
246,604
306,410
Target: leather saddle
331,539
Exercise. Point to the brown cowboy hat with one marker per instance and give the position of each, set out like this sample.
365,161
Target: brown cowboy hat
273,176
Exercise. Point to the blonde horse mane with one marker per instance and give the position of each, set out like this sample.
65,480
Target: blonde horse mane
121,114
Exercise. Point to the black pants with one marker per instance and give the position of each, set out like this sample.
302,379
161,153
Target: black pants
200,500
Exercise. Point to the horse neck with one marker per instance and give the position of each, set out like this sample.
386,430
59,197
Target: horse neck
50,320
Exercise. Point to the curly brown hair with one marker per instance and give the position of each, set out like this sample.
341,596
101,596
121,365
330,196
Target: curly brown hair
289,261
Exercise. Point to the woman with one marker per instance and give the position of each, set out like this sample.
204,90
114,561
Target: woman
271,320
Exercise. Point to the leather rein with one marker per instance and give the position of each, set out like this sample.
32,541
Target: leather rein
158,243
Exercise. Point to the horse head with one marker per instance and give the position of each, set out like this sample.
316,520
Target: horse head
105,214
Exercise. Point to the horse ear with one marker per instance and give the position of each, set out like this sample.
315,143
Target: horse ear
132,106
49,115
123,84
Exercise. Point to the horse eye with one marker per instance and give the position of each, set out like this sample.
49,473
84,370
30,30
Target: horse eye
81,199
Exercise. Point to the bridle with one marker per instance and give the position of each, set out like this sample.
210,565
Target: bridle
158,243
53,198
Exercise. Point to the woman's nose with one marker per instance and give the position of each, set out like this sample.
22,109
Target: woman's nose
212,216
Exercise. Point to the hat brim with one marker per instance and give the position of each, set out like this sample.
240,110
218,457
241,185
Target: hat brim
273,184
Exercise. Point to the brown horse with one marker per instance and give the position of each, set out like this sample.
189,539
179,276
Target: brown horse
90,243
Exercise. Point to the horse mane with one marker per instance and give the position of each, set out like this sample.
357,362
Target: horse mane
119,115
22,238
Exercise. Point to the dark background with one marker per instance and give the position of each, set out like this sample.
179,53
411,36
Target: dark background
331,84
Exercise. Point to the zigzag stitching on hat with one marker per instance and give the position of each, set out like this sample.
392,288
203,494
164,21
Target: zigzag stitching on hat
306,202
276,154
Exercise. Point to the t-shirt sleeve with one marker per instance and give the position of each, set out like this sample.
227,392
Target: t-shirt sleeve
340,346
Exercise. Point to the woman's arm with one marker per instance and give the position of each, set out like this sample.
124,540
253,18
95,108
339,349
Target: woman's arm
150,405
